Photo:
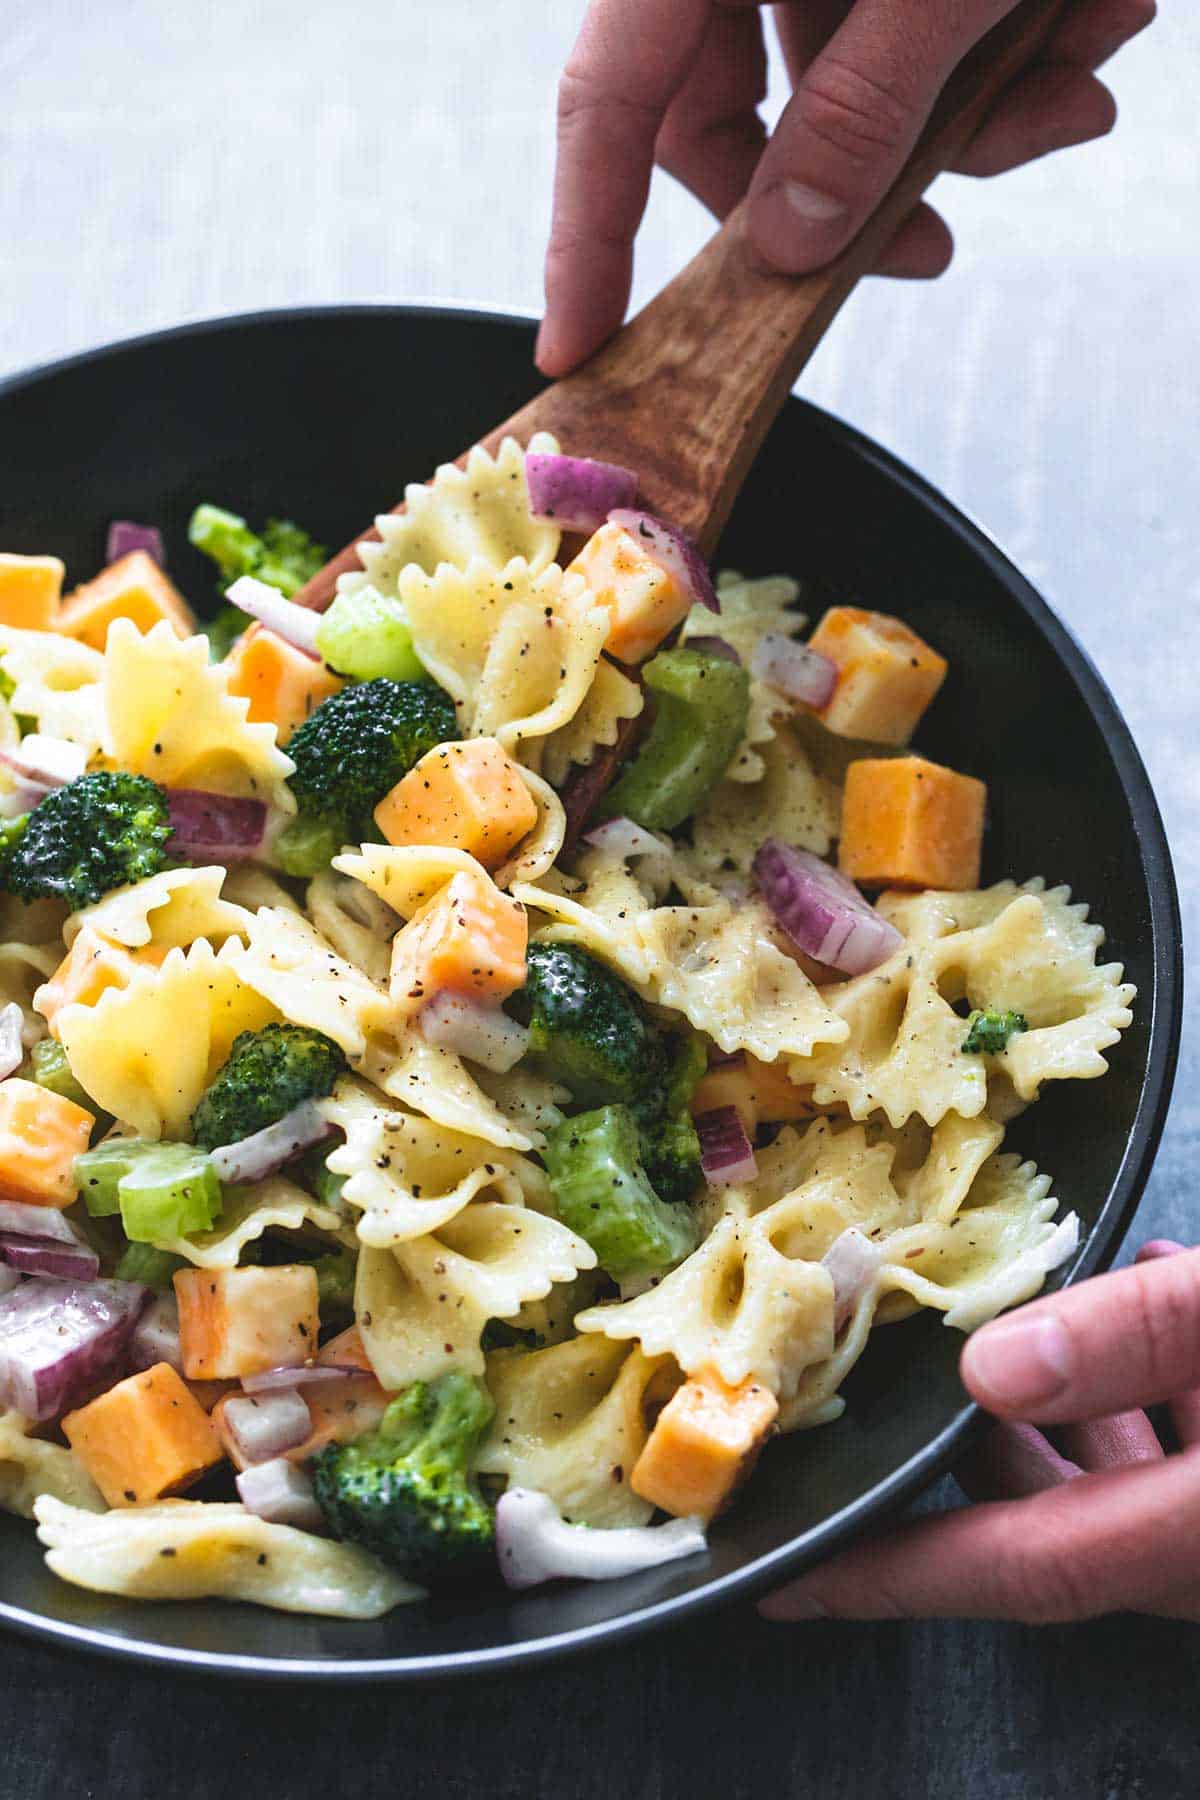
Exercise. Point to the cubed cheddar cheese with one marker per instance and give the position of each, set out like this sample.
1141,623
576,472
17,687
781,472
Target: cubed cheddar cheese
282,684
468,938
91,966
761,1093
30,588
237,1322
644,600
911,823
467,796
887,675
704,1443
41,1134
133,587
145,1438
346,1351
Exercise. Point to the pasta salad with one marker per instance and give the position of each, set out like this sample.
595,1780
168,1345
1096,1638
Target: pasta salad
459,1097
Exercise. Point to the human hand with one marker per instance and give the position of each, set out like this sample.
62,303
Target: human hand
1100,1521
678,82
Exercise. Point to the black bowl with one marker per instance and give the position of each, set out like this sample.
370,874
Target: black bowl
323,416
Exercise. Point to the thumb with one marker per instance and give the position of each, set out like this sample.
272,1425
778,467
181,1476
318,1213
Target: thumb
852,122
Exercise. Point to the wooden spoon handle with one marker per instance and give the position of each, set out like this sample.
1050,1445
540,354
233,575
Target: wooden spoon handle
686,392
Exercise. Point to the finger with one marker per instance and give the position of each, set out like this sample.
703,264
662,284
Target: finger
1111,1443
712,136
1100,1543
921,249
1010,1462
1052,108
1106,1346
631,58
803,28
1185,1407
1089,35
852,122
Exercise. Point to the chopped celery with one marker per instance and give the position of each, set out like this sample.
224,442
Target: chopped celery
366,635
602,1192
701,703
160,1190
153,1268
50,1069
307,846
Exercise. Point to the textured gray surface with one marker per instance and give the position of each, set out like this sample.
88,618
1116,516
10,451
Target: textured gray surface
161,162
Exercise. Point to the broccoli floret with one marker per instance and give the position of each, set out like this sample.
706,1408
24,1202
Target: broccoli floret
223,631
335,1283
405,1491
988,1032
95,834
670,1146
267,1074
348,754
586,1027
283,555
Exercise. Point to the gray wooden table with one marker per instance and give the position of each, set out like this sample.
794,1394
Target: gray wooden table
160,162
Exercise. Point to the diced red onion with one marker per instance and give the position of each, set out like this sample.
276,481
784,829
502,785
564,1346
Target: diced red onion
621,837
674,553
215,828
821,911
534,1543
58,1262
296,625
794,669
44,763
124,537
269,1381
726,1153
261,1428
43,1222
12,1044
483,1034
280,1493
714,646
853,1262
156,1336
264,1152
586,783
576,492
58,1339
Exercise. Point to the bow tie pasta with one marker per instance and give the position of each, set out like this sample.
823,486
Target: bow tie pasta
519,1030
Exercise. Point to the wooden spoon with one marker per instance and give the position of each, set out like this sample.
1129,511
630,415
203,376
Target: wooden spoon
686,392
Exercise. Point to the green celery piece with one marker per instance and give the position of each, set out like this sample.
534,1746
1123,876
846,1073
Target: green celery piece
701,704
98,1173
602,1192
366,635
151,1267
306,846
50,1069
170,1191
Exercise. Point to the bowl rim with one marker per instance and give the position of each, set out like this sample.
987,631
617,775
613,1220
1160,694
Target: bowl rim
1098,1252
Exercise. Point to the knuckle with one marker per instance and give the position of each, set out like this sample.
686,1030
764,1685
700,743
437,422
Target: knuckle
1165,1318
581,94
861,119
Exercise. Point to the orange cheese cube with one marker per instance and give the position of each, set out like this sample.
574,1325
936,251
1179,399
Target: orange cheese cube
133,587
143,1439
467,796
911,823
705,1441
30,587
346,1351
282,684
236,1322
41,1134
887,675
761,1092
469,938
644,600
91,966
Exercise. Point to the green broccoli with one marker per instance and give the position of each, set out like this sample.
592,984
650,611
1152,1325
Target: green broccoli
988,1032
670,1146
267,1074
602,1191
405,1490
224,630
349,753
95,834
335,1283
284,555
586,1027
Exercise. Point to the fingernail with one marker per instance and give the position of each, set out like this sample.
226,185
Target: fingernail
793,225
1022,1363
791,1605
1150,1252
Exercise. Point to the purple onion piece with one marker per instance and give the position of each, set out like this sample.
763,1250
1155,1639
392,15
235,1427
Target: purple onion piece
726,1153
713,646
261,1427
821,911
853,1262
673,551
58,1262
483,1034
156,1336
215,828
59,1339
793,669
280,1493
268,1150
534,1543
12,1045
269,1381
44,1223
296,625
124,536
575,492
